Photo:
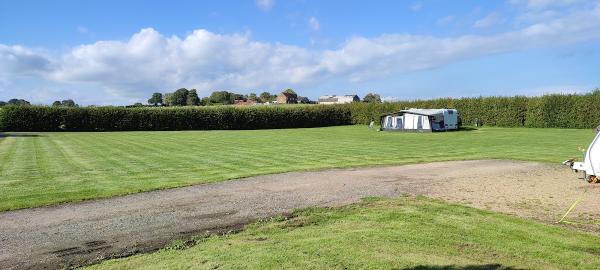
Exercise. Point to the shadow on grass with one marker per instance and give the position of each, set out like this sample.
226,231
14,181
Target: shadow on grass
466,267
467,129
19,135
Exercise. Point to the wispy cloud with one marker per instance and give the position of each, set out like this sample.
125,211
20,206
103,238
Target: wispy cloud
445,20
488,21
314,24
416,6
149,61
265,4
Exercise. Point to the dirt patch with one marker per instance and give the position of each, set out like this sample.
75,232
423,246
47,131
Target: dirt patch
81,233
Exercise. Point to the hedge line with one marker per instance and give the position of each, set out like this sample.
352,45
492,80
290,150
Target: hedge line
557,110
560,111
38,118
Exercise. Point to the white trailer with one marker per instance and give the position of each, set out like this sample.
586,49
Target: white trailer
421,120
591,161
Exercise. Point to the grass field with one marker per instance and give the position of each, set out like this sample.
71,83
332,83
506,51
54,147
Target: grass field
403,233
49,168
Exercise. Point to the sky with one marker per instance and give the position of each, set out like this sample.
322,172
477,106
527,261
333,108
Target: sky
120,52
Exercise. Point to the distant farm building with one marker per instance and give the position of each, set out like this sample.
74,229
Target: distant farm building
243,102
287,98
421,120
333,99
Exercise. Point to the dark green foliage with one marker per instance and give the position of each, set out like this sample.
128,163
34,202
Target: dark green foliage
56,104
2,103
68,103
157,98
179,97
16,101
38,118
192,98
267,97
560,111
221,97
372,98
289,91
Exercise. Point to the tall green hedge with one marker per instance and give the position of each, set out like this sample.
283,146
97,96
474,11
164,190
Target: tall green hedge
560,111
557,110
39,118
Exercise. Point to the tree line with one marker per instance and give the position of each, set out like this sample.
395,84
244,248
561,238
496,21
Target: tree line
185,97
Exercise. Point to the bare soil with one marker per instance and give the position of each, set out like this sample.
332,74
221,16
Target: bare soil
77,234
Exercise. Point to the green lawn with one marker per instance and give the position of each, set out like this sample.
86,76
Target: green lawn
49,168
402,233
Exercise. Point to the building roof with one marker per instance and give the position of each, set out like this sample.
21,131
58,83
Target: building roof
427,112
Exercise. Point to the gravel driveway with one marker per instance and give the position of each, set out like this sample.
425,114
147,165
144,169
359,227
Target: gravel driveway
82,233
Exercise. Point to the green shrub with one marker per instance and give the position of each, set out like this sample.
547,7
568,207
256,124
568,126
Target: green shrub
38,118
557,110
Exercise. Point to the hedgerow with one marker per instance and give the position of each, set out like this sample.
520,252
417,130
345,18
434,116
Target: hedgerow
557,111
550,111
40,118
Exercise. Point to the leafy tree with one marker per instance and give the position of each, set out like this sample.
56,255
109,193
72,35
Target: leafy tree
157,98
253,97
168,99
372,98
138,104
56,104
192,98
15,101
2,103
221,97
180,97
205,101
267,97
69,103
239,96
289,91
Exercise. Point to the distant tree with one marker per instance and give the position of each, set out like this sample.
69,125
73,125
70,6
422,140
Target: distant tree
267,97
253,97
205,101
372,98
56,104
138,104
180,97
168,99
289,91
68,103
192,98
239,96
15,101
2,103
157,98
221,97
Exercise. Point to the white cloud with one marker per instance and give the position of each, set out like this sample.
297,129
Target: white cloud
488,21
445,20
265,4
314,24
416,6
149,61
18,60
543,4
82,29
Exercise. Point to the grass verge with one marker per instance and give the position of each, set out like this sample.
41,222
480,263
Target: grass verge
402,233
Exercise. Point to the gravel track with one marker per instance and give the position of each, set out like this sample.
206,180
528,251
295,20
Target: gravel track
77,234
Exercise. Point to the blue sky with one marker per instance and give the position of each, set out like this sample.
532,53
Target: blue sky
119,52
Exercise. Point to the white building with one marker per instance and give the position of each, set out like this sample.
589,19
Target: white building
333,99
